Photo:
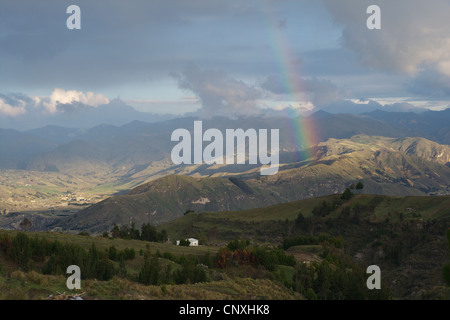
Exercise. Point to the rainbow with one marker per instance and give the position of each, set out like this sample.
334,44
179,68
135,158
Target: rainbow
302,129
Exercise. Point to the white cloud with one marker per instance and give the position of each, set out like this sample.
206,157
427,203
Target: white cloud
9,110
61,96
414,35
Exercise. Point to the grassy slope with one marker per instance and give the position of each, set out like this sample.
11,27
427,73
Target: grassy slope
424,217
272,219
405,236
166,199
404,167
26,286
32,285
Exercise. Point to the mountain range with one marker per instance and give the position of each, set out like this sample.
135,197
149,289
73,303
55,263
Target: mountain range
391,153
390,166
144,142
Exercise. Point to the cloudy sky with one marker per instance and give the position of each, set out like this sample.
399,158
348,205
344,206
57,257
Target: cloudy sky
224,57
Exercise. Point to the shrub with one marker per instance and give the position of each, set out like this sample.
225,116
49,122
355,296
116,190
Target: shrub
238,244
21,250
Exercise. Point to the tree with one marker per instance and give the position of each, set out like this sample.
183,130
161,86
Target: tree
122,271
149,233
224,257
21,250
149,273
359,186
125,232
300,220
113,254
347,194
163,236
115,232
134,233
238,244
190,273
184,242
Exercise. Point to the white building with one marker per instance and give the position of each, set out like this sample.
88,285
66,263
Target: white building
192,242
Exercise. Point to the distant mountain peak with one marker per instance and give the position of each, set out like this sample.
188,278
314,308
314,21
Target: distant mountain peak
320,114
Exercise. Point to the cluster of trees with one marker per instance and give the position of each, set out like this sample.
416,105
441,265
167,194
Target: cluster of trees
239,257
323,238
237,253
348,192
325,208
238,244
154,273
206,259
336,277
24,250
94,263
147,233
118,255
269,258
347,214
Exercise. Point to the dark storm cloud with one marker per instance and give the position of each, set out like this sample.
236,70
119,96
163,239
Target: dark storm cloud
143,41
320,91
431,85
119,42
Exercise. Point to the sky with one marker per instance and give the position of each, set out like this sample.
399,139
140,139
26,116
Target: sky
217,57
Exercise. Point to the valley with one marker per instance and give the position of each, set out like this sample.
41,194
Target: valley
76,189
390,166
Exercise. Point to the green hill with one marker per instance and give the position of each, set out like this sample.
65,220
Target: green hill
390,166
166,199
272,223
404,236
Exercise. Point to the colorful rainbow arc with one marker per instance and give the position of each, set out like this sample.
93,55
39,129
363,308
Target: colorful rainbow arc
302,129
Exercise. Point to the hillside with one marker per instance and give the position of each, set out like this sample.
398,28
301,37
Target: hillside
166,199
433,125
18,148
270,223
219,284
409,166
106,159
405,236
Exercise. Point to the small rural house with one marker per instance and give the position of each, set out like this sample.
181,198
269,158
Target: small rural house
192,242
